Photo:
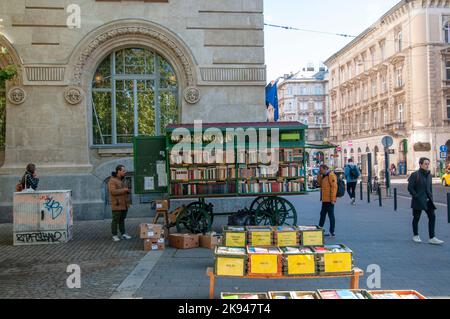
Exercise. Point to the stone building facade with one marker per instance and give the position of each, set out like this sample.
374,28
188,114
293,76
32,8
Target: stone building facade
304,98
93,74
393,80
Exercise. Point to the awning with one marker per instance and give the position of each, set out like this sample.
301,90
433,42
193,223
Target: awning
320,146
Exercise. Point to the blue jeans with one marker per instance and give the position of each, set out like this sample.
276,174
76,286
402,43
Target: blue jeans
327,209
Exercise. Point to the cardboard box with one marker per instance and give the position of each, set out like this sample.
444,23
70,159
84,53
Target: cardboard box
150,244
151,231
210,241
162,205
184,241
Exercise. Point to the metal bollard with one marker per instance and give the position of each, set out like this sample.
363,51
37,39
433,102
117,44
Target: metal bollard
379,197
369,190
361,190
448,207
395,200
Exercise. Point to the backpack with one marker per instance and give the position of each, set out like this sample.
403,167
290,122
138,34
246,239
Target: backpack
19,186
341,188
354,173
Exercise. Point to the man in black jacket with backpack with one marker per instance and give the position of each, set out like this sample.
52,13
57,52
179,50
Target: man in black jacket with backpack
420,186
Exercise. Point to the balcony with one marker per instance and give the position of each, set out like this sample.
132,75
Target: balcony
396,128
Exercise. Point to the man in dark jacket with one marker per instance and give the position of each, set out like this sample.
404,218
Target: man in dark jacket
421,189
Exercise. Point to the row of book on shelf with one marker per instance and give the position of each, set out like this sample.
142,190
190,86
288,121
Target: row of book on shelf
229,172
335,294
232,156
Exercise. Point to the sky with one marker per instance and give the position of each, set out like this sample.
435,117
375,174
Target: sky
289,51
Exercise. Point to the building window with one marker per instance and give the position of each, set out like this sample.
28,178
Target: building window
304,106
399,77
374,87
319,90
2,114
134,92
383,84
375,119
383,51
447,70
385,116
289,90
318,106
399,41
319,120
447,32
448,108
366,91
400,114
372,56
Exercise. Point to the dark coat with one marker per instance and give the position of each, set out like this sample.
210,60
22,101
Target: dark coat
420,186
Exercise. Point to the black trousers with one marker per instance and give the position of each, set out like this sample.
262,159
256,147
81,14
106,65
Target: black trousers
431,221
351,189
118,220
328,209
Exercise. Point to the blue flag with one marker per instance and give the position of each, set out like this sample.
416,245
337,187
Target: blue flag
272,98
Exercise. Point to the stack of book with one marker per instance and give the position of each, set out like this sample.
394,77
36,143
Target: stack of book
396,294
291,155
260,236
343,294
264,261
257,172
244,296
292,170
334,259
230,261
299,261
246,187
285,236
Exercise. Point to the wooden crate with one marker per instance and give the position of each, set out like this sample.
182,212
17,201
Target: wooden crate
259,236
376,293
230,265
311,237
304,294
265,264
364,293
234,238
280,295
286,236
334,263
299,264
250,295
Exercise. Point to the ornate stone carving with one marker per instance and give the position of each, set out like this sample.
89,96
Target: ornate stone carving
17,95
134,30
192,95
73,95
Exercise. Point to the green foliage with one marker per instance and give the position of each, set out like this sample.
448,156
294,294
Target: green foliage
8,73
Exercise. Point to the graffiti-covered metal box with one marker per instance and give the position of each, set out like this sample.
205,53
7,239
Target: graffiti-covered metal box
42,217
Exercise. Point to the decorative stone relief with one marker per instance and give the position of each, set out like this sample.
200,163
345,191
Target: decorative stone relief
73,95
192,95
17,95
134,30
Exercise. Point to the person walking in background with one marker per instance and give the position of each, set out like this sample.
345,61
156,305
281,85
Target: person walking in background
118,195
328,194
352,174
421,189
29,179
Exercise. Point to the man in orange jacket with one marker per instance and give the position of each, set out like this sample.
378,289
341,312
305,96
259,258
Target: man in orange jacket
328,190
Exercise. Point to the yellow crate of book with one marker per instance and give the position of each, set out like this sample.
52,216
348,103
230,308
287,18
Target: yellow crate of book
264,262
396,294
334,259
344,294
153,236
311,236
234,236
259,236
285,236
299,261
233,295
230,261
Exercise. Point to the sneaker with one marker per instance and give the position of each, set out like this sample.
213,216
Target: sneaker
116,238
332,235
435,241
417,239
126,236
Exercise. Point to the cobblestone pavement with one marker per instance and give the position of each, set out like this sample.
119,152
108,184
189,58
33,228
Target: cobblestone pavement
40,271
377,236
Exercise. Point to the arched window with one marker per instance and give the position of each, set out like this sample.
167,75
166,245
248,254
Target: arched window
2,114
134,92
447,32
